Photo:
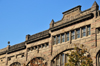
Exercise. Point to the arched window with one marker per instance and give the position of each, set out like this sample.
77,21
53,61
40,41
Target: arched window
98,58
38,61
59,60
16,64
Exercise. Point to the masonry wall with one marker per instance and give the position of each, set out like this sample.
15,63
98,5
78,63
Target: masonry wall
46,49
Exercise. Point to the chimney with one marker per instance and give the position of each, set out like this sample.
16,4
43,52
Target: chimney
27,37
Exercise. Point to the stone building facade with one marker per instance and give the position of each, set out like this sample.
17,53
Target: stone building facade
50,46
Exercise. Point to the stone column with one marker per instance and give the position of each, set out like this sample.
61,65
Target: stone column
56,40
26,53
65,37
37,49
51,43
8,47
80,33
60,59
70,37
60,38
86,31
98,13
55,62
75,34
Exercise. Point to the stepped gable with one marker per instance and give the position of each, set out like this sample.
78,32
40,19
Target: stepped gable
71,16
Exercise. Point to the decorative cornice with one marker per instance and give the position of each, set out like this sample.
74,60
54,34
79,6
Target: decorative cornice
21,46
13,48
38,36
16,47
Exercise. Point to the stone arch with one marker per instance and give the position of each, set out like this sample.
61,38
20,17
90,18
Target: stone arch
92,51
65,48
16,60
97,57
16,64
45,57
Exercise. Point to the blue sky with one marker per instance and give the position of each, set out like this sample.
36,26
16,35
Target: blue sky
21,17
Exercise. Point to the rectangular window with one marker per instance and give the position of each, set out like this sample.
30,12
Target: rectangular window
67,36
78,33
58,61
58,39
39,46
47,44
73,34
83,31
98,30
43,46
63,38
54,40
66,58
32,48
88,30
53,63
36,47
62,59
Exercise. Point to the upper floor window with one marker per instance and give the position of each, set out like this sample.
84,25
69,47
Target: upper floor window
43,46
32,48
78,33
67,36
40,46
88,30
58,39
29,49
47,44
73,34
63,37
83,31
54,40
36,47
98,30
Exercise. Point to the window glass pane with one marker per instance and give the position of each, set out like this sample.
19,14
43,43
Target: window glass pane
67,34
47,44
58,61
78,33
58,38
89,30
73,34
63,38
83,31
32,48
36,47
62,60
43,45
66,58
98,30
